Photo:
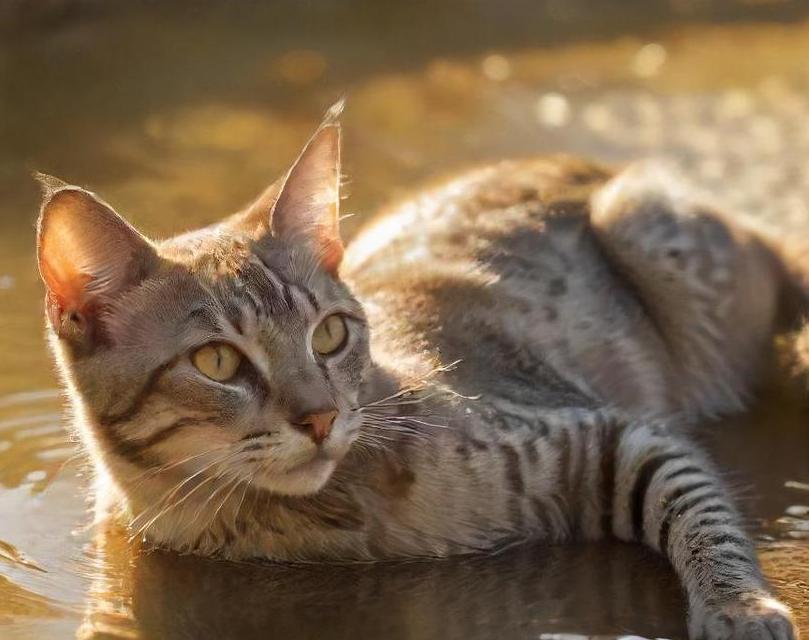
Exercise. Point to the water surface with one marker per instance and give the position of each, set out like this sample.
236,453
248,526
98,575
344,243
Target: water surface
179,117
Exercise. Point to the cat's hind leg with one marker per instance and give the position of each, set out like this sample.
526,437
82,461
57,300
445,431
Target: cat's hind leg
709,287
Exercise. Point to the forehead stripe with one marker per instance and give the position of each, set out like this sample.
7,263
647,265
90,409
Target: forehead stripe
286,287
311,297
279,284
288,297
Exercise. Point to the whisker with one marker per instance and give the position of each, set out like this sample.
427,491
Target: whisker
168,508
387,402
208,500
166,467
407,419
172,492
236,484
247,483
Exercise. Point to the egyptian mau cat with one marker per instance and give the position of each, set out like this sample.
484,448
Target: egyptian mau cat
511,356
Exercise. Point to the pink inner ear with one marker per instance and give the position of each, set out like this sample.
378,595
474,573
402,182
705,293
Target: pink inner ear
57,260
86,251
65,283
331,255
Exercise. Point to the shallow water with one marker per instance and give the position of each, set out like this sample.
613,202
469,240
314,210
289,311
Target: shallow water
180,117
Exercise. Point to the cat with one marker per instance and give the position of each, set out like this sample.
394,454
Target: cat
514,355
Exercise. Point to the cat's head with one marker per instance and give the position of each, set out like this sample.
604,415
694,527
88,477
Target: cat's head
234,351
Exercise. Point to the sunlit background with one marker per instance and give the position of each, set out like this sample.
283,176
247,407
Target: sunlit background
180,112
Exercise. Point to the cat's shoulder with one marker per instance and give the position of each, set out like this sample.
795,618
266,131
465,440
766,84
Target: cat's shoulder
486,195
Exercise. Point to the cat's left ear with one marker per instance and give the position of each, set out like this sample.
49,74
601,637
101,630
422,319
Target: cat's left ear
307,209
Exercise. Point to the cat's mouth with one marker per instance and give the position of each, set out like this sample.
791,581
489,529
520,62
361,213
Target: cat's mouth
304,477
305,473
308,470
319,460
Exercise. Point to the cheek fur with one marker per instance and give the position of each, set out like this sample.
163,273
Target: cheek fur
197,439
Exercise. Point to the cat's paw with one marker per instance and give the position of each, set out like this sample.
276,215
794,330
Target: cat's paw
752,618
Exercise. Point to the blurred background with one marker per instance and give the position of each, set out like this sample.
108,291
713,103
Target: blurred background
179,112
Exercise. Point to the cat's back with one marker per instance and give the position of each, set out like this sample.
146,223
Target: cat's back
500,268
472,215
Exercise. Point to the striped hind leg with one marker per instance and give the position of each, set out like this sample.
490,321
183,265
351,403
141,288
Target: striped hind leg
667,496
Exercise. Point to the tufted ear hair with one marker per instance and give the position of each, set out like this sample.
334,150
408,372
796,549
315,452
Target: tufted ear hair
87,255
307,209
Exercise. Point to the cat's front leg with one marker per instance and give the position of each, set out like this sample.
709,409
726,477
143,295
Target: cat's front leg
668,497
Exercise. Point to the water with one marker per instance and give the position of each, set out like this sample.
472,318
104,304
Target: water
180,115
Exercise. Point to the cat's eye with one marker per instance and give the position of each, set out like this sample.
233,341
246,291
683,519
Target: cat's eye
217,360
330,335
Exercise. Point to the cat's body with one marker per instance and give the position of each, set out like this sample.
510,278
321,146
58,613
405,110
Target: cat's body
539,333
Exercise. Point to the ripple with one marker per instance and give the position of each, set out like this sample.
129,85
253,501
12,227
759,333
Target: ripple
26,397
33,442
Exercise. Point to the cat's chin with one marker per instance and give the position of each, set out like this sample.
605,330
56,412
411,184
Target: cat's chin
303,479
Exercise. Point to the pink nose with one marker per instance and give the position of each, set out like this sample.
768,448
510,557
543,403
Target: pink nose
316,425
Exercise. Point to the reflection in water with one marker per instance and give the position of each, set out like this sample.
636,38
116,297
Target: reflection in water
598,589
181,132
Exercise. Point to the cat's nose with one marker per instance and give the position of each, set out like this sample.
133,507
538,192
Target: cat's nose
316,424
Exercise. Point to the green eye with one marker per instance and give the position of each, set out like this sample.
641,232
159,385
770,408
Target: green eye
330,335
218,361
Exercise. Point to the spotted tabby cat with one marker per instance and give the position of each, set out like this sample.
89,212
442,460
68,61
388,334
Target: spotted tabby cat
506,357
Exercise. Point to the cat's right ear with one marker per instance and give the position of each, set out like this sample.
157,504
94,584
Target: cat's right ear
87,255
